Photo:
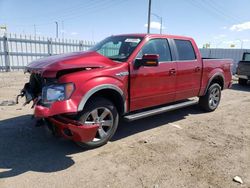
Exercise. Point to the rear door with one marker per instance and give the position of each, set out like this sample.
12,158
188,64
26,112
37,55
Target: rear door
152,86
189,69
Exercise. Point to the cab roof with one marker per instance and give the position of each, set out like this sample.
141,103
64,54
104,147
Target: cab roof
145,35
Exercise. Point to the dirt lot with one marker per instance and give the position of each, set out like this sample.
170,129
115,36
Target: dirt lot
184,148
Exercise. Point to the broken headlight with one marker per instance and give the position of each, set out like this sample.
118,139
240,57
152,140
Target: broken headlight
57,92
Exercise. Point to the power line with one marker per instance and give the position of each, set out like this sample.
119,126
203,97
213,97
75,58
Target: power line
101,7
69,13
218,11
211,11
222,7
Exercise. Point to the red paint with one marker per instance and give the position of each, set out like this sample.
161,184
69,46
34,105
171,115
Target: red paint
142,87
79,132
49,66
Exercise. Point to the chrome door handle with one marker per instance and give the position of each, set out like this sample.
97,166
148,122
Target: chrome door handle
172,72
197,69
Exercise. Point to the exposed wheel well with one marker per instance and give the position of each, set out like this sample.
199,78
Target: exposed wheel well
112,95
219,80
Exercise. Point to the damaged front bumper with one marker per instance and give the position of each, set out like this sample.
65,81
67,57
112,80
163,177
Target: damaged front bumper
56,108
71,129
52,112
65,127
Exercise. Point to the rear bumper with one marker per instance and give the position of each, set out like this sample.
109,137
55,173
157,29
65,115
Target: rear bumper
73,130
244,77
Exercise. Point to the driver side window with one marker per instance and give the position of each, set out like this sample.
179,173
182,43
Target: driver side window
157,46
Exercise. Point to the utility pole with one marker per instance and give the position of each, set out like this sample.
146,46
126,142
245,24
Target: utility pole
159,17
161,26
149,15
56,29
63,29
35,30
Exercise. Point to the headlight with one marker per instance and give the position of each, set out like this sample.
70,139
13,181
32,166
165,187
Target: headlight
57,92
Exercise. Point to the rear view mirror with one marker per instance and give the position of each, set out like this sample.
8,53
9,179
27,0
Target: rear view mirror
147,60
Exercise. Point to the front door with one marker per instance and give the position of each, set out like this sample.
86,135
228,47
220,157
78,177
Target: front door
152,86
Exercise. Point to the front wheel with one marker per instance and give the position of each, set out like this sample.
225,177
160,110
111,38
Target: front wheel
211,100
102,112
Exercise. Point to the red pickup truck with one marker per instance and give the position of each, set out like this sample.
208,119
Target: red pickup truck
83,95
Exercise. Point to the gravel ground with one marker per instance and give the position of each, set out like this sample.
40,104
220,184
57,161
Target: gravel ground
183,148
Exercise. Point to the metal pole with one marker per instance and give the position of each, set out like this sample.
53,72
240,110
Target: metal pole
160,18
6,53
63,29
35,30
241,43
56,29
149,15
161,26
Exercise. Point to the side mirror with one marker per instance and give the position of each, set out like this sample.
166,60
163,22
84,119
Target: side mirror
147,60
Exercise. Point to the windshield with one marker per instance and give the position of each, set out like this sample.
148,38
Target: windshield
117,48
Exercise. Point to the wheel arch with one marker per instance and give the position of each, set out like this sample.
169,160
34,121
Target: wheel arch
216,78
108,91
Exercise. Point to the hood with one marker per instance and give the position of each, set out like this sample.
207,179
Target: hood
49,66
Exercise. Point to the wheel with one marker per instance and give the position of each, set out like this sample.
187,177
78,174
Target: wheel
211,100
242,82
102,112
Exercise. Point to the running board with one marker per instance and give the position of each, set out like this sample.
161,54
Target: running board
140,115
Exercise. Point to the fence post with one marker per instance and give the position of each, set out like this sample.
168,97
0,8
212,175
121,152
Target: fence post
6,53
50,47
80,45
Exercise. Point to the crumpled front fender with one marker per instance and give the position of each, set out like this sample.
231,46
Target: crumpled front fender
56,108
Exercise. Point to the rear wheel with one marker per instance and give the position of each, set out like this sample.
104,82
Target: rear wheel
102,112
242,82
211,100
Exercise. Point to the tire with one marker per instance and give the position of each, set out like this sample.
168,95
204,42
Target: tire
211,100
99,111
242,82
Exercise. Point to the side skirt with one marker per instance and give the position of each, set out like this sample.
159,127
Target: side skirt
147,113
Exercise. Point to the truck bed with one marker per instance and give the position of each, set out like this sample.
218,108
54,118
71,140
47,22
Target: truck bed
218,66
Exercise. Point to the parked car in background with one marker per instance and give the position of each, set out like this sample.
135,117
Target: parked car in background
83,95
243,70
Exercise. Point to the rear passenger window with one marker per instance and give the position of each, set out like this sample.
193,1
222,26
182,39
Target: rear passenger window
185,50
156,46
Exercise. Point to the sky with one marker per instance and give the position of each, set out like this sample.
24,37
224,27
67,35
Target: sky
220,23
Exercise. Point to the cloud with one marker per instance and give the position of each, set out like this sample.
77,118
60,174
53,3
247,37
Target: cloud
73,33
154,25
240,27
